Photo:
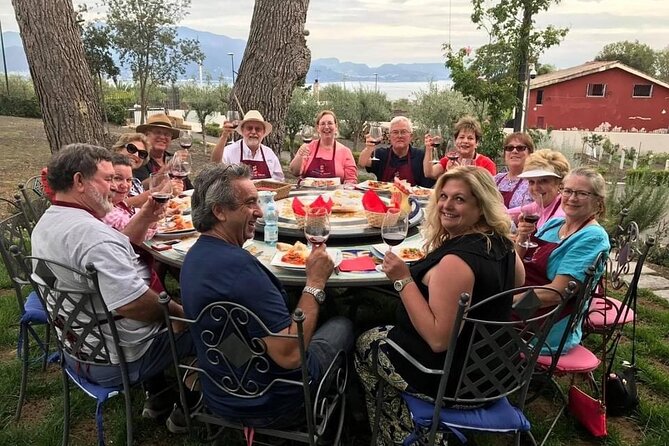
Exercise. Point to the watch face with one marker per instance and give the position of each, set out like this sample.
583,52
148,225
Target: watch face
398,285
320,296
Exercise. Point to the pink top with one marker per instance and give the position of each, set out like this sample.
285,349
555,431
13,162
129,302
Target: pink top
118,218
551,210
345,167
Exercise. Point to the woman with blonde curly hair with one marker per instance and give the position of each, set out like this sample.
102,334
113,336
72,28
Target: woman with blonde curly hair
544,171
468,251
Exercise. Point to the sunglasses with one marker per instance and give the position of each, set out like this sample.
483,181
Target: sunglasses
516,148
132,149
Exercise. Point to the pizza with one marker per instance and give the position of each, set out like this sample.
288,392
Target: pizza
294,254
421,192
411,254
177,205
176,223
379,185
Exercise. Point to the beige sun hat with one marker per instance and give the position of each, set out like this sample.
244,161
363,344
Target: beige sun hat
254,115
537,173
161,120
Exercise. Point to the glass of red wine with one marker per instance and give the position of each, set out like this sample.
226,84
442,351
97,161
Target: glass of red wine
307,134
180,164
185,140
160,188
376,134
437,141
394,227
531,212
317,226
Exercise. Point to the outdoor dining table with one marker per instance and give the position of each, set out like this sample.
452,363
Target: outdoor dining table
292,277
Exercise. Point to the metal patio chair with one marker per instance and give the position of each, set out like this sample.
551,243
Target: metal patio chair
499,359
14,231
33,204
230,348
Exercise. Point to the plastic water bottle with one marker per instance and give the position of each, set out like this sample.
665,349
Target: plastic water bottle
271,224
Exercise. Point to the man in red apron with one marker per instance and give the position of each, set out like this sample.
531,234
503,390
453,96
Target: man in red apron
400,160
261,159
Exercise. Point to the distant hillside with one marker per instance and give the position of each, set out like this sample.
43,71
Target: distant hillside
218,63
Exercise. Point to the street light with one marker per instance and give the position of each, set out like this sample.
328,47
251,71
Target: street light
531,73
376,81
232,65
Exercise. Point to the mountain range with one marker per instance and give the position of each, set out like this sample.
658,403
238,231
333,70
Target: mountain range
218,62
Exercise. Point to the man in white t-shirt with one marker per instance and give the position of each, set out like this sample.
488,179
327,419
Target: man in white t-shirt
249,150
71,232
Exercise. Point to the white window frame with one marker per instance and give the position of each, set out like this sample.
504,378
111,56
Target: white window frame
587,90
650,93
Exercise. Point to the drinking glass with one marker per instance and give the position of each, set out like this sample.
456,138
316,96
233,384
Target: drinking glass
376,134
307,134
531,212
437,140
317,226
394,227
160,187
180,164
185,140
234,117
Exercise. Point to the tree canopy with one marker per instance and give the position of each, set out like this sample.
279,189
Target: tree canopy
144,33
633,54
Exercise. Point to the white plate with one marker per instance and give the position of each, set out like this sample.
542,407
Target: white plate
184,245
335,255
365,185
421,197
162,230
313,182
379,250
188,192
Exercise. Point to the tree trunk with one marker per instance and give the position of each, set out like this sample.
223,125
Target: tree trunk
275,60
64,87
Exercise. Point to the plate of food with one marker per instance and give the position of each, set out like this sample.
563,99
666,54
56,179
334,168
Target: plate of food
421,193
378,186
176,225
295,256
409,251
320,182
178,205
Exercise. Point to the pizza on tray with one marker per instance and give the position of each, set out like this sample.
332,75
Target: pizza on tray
294,254
379,185
411,254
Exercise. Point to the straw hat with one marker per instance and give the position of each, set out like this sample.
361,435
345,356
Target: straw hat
254,115
160,120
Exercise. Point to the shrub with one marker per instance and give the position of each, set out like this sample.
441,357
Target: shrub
116,105
645,196
212,129
22,106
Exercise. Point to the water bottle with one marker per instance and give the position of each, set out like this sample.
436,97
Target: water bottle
271,224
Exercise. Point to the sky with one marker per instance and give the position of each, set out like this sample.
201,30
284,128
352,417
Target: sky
404,31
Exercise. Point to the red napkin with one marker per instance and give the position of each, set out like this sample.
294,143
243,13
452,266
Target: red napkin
299,208
364,263
372,203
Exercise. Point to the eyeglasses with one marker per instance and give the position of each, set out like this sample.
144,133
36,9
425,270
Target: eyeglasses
400,132
510,148
132,149
579,194
325,124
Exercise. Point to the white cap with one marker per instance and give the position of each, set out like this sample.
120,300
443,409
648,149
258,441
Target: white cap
536,173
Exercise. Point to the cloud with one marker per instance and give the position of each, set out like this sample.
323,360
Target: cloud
394,31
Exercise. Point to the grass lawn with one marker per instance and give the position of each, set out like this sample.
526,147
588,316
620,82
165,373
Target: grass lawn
41,422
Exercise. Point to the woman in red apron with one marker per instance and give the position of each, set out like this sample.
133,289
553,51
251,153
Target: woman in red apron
569,245
517,148
325,158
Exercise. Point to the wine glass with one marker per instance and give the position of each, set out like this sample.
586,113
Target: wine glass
185,140
160,188
307,134
437,140
317,226
451,153
376,134
233,117
531,212
394,227
180,164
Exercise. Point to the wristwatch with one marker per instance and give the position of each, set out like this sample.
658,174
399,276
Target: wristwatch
318,294
400,284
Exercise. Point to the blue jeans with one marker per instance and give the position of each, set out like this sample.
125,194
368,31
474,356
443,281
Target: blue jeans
334,335
152,363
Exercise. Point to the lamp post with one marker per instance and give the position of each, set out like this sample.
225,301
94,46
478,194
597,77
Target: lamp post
531,74
376,81
232,65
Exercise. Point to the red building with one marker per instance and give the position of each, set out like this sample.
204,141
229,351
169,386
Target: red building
589,95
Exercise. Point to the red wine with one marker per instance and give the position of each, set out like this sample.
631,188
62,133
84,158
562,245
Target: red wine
317,239
531,218
452,157
307,140
186,145
177,174
160,197
436,145
393,239
376,141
